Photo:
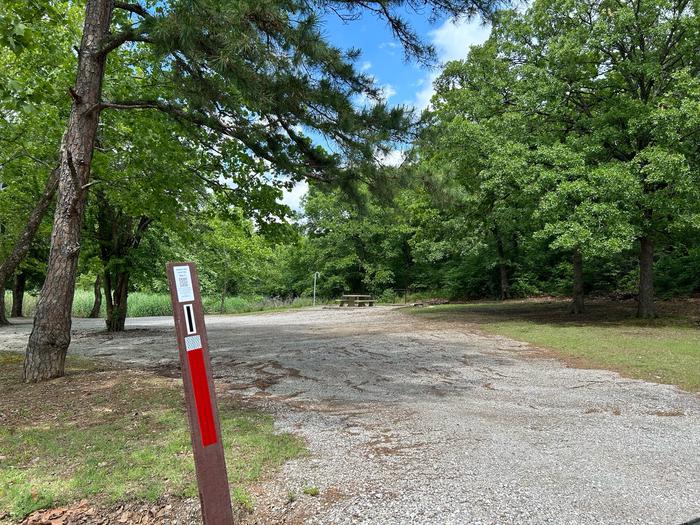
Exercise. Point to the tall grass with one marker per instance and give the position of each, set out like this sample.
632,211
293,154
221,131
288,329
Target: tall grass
29,304
142,304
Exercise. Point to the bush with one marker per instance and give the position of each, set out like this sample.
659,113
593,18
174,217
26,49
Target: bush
388,297
301,302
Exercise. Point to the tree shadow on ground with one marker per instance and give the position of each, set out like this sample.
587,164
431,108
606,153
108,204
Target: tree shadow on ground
599,312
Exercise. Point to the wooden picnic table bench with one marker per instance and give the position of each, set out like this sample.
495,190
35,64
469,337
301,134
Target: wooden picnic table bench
356,300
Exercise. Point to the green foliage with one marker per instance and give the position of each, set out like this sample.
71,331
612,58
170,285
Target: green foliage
232,257
677,270
563,133
355,247
572,129
35,42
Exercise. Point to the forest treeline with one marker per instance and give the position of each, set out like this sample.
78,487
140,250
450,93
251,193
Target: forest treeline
560,157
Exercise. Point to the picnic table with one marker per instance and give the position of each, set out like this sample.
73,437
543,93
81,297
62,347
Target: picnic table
355,300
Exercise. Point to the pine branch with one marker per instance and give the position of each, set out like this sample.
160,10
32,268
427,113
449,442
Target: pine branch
314,162
128,35
308,151
130,104
137,9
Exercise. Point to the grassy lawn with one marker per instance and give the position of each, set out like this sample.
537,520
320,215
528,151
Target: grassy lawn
663,350
115,435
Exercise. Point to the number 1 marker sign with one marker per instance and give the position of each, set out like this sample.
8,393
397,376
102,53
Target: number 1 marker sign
200,397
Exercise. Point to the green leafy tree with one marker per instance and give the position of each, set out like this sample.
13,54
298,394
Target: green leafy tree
474,152
568,106
583,210
357,247
606,72
35,39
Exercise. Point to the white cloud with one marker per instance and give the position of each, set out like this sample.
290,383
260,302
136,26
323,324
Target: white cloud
393,158
453,38
293,197
390,48
388,91
365,65
385,92
452,41
424,95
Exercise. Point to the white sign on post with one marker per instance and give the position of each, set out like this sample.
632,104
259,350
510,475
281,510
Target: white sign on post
183,283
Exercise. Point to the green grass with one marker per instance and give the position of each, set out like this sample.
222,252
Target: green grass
143,304
112,436
662,350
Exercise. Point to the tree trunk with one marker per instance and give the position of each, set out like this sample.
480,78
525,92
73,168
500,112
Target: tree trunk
21,247
505,288
577,305
645,306
117,300
97,305
109,304
3,315
18,294
118,238
502,269
50,337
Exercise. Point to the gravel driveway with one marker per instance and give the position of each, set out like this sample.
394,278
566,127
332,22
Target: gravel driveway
413,421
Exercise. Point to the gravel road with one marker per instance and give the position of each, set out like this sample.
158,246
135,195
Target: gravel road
413,421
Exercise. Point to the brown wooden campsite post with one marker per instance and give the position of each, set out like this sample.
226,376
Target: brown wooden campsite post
200,397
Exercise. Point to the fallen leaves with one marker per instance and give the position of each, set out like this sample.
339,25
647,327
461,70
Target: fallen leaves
83,513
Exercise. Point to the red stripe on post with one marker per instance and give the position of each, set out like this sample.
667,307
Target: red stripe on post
200,385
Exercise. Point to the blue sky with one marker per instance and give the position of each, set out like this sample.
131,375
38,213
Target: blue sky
403,82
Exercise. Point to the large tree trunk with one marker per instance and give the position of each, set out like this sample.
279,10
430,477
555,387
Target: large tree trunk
97,304
502,269
645,306
18,294
577,305
50,337
21,247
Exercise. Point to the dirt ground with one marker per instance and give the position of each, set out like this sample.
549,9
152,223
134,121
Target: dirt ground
410,420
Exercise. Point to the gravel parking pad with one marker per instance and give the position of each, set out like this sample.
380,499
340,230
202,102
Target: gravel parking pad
413,421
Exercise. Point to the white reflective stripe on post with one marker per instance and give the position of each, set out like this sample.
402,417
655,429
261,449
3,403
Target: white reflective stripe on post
194,342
